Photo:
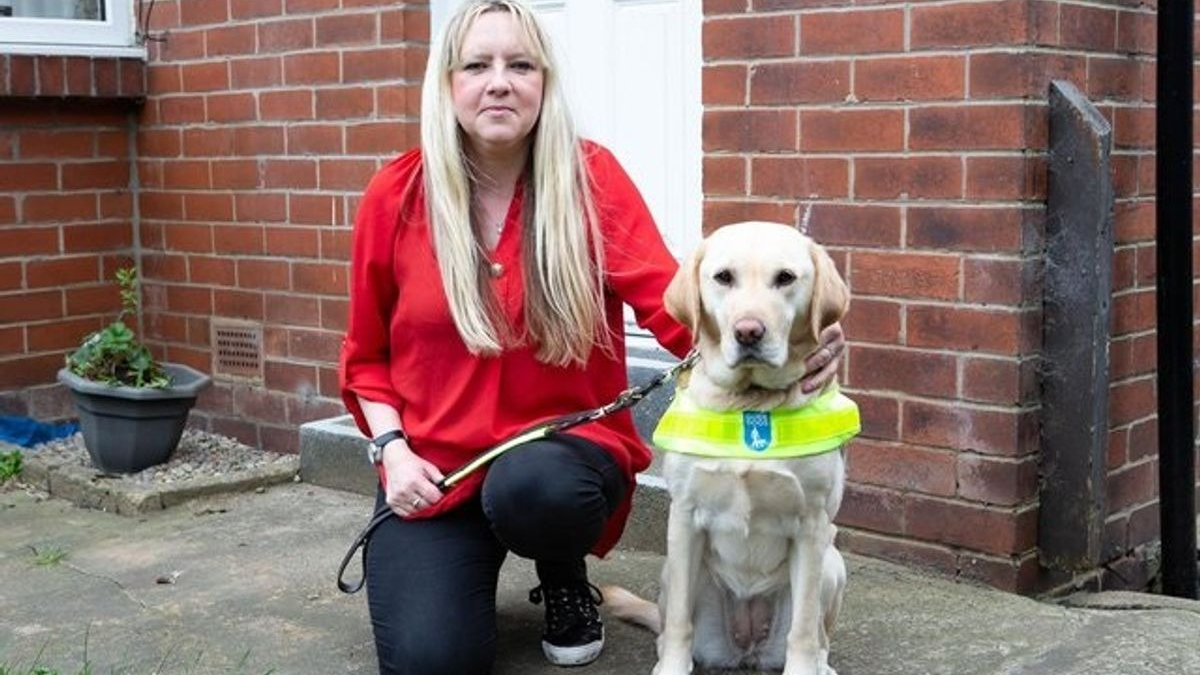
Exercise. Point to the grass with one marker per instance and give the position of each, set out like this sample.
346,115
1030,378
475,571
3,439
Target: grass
10,465
51,555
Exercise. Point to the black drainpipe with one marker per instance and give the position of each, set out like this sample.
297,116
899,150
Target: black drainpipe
1173,241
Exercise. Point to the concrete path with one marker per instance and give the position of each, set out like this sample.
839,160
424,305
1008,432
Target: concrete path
251,590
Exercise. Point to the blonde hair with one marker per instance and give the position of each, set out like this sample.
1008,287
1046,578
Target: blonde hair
561,245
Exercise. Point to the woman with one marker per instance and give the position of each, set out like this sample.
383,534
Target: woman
488,275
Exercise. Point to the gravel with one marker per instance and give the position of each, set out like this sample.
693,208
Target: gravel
200,454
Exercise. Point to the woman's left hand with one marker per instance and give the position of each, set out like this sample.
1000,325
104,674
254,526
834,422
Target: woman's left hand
822,365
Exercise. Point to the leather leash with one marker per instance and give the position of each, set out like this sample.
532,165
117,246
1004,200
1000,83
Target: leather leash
625,399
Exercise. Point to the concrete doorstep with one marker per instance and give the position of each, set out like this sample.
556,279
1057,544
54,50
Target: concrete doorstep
244,583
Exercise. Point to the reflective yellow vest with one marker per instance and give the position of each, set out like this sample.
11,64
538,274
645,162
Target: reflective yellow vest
822,425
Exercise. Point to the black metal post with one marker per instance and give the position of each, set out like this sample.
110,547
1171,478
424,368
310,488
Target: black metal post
1173,240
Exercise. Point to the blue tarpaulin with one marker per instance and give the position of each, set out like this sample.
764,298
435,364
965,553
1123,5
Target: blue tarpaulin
27,432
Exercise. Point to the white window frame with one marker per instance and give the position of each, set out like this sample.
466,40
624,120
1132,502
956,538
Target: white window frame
115,36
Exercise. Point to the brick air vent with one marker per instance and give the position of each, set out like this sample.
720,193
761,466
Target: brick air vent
237,351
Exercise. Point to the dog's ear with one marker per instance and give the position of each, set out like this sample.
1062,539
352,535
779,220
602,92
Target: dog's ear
682,297
831,297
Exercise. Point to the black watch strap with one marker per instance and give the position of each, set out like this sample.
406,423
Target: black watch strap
387,437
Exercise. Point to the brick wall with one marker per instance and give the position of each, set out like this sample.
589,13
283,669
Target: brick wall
918,134
267,120
66,214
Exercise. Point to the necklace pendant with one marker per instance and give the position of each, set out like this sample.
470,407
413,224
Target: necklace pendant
495,269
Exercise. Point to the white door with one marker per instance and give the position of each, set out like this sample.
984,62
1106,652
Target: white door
633,79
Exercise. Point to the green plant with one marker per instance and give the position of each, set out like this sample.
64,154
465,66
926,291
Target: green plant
48,556
10,465
113,354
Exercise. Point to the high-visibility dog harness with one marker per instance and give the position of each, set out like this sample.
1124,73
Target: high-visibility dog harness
822,425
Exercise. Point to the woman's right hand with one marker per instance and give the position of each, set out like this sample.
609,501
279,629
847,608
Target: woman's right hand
411,480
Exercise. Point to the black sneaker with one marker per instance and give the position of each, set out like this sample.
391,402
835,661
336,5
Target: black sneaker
574,633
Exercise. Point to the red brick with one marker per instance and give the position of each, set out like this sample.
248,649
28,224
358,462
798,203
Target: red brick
724,84
799,82
315,209
335,313
212,270
193,13
238,304
11,276
749,37
1114,78
320,278
799,177
260,207
79,76
285,36
239,239
873,320
997,481
347,29
258,404
182,109
231,108
345,103
189,237
37,144
345,174
292,242
182,174
315,139
304,6
24,177
1136,33
714,7
375,138
856,225
911,372
159,142
91,300
998,281
95,175
29,371
189,300
910,79
8,210
1013,574
51,76
981,127
1133,128
880,416
905,551
1133,485
165,268
312,68
286,105
1006,178
998,531
208,206
966,229
236,174
254,9
209,142
962,427
28,241
256,73
97,237
967,328
263,274
314,345
968,24
872,508
1133,312
1087,28
161,205
230,40
398,100
718,213
59,207
1130,401
12,342
293,310
901,467
911,177
335,244
202,77
906,275
1143,440
30,306
1001,381
857,32
292,174
724,175
851,130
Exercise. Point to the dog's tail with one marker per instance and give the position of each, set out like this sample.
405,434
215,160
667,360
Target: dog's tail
627,606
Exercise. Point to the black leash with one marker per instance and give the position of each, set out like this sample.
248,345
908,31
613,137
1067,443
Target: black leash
625,399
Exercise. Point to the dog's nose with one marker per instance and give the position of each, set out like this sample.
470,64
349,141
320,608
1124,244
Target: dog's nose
748,331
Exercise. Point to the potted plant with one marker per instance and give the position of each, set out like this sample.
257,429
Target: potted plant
132,408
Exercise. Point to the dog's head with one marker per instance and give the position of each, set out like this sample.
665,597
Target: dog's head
756,296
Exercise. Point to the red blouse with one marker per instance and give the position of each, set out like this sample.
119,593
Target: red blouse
402,348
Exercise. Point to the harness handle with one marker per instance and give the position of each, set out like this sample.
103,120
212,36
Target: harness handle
625,399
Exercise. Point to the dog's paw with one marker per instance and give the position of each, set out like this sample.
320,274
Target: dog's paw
673,666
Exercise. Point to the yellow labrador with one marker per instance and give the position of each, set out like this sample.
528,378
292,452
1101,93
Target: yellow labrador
751,578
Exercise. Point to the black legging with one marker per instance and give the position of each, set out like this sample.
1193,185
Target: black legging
431,584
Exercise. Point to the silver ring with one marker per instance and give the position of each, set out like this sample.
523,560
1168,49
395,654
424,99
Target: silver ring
416,502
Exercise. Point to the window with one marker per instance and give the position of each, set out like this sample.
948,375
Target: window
84,27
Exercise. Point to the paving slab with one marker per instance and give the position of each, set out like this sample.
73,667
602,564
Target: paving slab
244,583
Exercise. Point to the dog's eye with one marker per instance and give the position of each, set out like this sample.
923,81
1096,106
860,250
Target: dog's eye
785,278
724,277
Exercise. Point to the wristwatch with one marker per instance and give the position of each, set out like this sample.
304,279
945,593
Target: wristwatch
375,447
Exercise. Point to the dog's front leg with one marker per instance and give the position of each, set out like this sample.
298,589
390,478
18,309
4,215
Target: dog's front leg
684,549
803,639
